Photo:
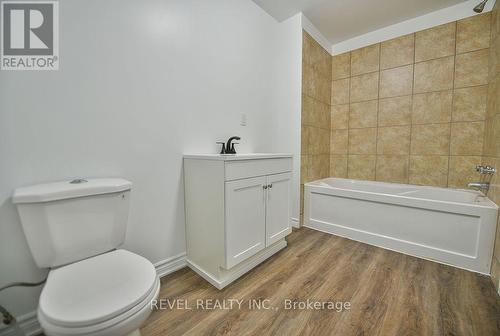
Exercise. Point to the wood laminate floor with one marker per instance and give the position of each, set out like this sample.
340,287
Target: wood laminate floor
389,294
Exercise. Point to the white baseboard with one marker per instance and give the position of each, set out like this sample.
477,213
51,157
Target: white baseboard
295,222
29,323
170,265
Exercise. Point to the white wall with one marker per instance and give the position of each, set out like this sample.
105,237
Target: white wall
140,83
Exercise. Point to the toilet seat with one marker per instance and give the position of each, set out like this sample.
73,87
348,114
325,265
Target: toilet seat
96,296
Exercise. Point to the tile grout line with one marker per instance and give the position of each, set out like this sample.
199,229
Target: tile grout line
348,115
408,171
378,104
451,112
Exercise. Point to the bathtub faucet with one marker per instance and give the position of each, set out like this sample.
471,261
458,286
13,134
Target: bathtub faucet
483,186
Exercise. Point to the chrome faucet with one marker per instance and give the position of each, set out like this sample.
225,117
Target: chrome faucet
483,186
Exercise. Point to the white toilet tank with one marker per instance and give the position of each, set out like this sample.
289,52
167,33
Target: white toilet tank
72,220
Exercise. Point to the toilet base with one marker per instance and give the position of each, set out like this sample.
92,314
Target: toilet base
136,332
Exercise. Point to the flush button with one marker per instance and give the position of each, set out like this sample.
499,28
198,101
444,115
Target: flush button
78,181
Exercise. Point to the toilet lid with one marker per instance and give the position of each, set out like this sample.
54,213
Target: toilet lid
96,289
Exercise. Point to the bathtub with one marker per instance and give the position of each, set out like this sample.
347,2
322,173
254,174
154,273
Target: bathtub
450,226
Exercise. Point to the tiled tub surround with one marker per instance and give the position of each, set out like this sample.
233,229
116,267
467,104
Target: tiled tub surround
413,109
491,149
315,133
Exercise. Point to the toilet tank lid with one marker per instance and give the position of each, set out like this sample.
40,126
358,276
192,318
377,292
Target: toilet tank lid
69,189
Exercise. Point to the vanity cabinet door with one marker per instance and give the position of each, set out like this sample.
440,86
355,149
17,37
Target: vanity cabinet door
278,207
245,224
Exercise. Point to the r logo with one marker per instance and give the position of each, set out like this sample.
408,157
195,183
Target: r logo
29,29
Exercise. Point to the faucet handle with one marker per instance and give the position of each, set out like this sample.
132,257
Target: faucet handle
233,150
487,170
223,148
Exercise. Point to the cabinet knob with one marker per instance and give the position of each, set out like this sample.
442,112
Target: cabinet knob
270,186
264,186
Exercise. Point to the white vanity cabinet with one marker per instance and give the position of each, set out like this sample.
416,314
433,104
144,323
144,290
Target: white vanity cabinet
237,212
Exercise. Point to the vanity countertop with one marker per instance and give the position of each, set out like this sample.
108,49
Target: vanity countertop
235,157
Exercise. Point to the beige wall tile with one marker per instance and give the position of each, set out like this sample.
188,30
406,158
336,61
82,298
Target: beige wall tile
494,59
339,117
338,166
307,48
429,170
467,138
473,33
491,139
392,168
339,141
396,82
314,85
430,139
432,107
462,171
361,167
320,167
364,87
304,168
321,115
324,66
493,100
315,113
307,80
472,68
394,111
363,114
340,91
379,116
435,42
341,66
393,140
362,141
365,60
488,145
397,52
434,75
494,66
324,141
323,89
314,55
307,110
469,104
319,141
305,136
496,135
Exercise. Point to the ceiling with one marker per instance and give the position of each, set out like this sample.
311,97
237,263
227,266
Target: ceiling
339,20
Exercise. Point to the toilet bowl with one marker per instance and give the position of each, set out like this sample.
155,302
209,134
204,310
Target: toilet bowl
108,294
93,289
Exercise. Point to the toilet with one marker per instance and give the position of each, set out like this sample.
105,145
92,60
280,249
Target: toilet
93,288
